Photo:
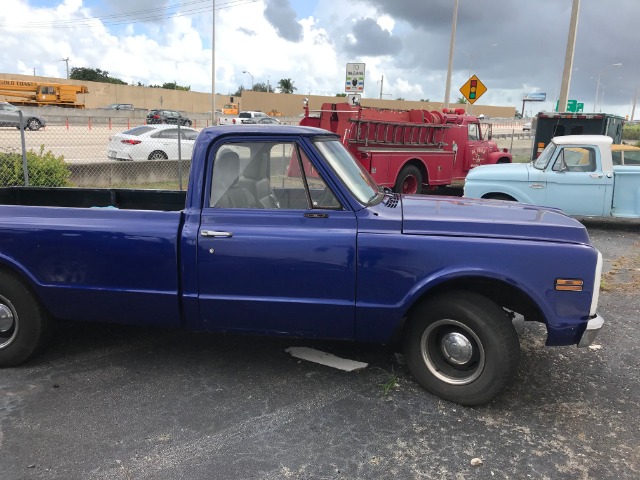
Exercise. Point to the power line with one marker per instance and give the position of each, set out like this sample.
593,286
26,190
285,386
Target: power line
136,16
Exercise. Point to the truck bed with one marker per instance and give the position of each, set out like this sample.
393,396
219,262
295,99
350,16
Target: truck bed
163,200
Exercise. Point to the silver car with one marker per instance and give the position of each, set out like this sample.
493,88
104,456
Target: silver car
10,117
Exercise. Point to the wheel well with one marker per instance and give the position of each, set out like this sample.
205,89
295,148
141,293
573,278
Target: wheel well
23,279
498,196
503,294
504,160
420,166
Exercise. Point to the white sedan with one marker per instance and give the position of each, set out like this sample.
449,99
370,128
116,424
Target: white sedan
152,142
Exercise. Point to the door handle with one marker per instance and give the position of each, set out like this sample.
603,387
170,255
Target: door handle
316,215
536,185
213,233
596,175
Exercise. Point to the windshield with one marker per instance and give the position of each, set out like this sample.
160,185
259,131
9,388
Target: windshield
352,174
543,160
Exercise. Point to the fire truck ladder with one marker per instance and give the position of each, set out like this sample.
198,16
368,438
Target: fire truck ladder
375,132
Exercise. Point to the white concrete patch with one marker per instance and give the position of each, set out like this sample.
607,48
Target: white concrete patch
324,358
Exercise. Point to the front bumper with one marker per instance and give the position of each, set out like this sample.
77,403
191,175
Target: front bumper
593,327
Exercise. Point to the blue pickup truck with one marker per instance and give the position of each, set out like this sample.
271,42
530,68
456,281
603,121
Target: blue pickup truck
282,232
583,175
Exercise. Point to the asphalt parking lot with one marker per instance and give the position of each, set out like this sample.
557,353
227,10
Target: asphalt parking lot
113,402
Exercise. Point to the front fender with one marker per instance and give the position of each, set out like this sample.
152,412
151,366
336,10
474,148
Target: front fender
479,189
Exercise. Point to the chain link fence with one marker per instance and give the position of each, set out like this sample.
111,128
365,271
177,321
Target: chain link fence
97,153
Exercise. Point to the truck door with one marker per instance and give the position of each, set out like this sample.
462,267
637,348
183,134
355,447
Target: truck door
276,251
476,150
575,183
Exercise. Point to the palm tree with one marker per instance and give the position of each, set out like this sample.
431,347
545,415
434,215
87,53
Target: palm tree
286,86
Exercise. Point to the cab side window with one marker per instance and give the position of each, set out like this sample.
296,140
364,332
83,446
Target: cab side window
473,132
575,159
267,175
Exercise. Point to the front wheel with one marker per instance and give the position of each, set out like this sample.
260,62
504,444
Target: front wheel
462,347
24,324
34,124
409,180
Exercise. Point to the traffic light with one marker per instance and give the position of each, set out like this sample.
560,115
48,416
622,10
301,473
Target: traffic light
473,87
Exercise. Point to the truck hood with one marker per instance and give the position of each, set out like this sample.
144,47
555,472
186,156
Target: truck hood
501,172
467,217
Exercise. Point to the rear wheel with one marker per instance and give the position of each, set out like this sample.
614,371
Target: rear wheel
34,124
409,180
158,155
462,347
24,324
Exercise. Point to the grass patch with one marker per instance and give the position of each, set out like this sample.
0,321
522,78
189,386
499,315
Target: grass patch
390,384
521,158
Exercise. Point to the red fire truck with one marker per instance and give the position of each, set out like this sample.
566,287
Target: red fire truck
410,150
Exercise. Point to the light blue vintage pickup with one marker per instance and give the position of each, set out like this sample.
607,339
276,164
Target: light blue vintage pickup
575,173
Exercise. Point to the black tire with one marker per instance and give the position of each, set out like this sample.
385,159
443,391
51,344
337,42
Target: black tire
33,124
462,347
158,155
24,324
188,123
409,180
499,196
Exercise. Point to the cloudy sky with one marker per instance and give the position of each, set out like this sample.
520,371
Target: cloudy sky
514,46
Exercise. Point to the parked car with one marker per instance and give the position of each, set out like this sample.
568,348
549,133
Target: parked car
526,127
167,116
264,121
10,117
152,142
118,106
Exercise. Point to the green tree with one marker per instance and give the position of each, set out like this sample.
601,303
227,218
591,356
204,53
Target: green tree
238,92
341,94
399,98
93,75
171,86
263,87
425,100
286,86
462,100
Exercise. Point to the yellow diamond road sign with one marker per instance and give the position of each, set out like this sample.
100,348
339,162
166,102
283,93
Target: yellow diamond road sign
473,89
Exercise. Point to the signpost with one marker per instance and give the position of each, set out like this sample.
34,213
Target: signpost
355,78
532,97
353,99
473,89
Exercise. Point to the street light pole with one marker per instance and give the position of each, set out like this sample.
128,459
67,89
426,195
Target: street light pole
447,92
568,59
604,87
245,71
595,104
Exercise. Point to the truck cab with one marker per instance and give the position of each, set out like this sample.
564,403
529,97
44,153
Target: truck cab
575,173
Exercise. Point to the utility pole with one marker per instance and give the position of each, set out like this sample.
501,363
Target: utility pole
568,59
66,60
447,92
213,62
381,83
633,109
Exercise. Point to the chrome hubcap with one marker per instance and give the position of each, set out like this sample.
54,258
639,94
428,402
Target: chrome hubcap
8,323
452,352
456,348
6,319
